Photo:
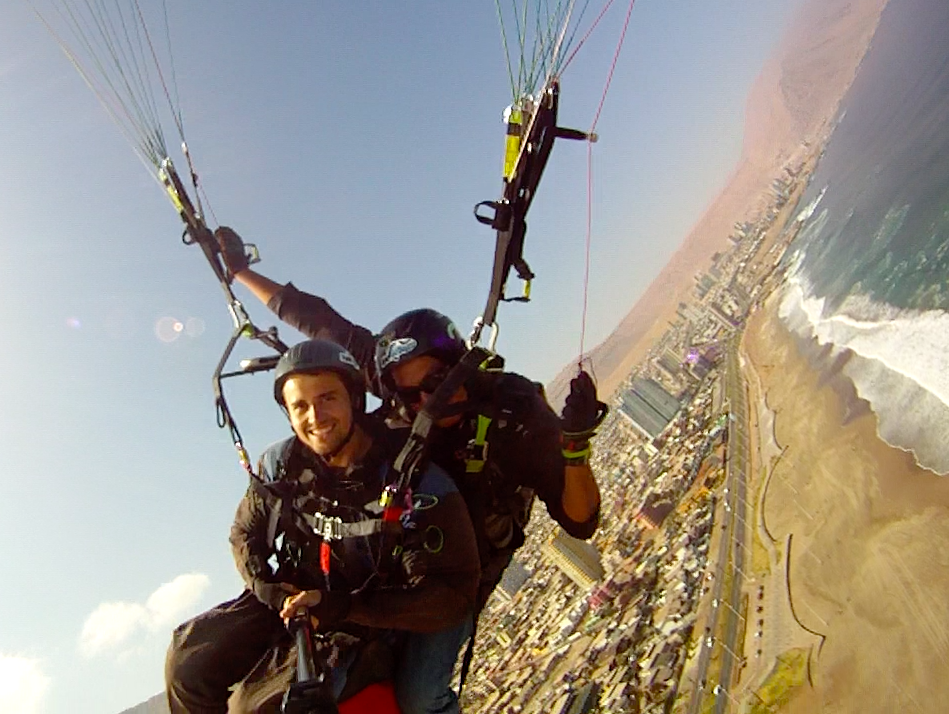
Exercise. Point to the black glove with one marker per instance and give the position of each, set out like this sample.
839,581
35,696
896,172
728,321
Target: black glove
332,609
582,413
232,251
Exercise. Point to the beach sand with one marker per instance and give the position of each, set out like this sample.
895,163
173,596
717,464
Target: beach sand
870,551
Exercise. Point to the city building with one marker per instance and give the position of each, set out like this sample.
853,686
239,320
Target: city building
513,578
670,363
648,406
721,317
578,559
654,512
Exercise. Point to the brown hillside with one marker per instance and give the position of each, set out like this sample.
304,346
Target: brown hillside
790,107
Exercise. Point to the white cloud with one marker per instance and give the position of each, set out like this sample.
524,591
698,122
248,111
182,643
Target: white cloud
23,685
112,624
169,603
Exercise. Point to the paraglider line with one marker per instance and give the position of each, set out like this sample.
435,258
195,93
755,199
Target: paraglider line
596,118
587,35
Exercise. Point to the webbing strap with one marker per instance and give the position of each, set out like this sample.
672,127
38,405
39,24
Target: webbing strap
412,456
334,528
281,509
478,447
273,522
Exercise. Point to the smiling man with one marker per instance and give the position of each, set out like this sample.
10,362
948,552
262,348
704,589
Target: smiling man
315,511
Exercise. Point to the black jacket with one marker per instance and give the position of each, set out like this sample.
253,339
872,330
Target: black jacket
437,576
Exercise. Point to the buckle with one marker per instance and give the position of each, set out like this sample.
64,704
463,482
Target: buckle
473,451
329,527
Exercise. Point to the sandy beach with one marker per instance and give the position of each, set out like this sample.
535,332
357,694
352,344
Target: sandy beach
869,561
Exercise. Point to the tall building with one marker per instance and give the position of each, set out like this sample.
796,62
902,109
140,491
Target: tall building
670,363
579,560
513,578
648,406
654,512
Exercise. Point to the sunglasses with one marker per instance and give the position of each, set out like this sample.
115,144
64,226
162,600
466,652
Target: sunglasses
430,382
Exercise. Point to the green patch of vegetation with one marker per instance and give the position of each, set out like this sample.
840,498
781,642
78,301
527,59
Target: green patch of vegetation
786,677
743,608
760,564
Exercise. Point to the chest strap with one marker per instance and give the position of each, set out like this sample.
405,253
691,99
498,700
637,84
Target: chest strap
334,528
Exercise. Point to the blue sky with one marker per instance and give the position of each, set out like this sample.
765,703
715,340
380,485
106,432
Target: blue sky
350,141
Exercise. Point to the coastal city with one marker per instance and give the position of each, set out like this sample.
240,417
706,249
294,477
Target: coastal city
664,610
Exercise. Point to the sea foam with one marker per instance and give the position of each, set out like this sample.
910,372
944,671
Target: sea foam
899,364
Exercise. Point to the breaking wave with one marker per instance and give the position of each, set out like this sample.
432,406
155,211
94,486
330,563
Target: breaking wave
899,364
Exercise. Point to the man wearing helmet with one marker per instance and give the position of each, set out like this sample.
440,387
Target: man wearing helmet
499,439
315,508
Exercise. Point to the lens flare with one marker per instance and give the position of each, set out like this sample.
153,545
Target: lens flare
168,329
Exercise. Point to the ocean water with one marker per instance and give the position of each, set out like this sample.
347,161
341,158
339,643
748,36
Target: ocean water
869,270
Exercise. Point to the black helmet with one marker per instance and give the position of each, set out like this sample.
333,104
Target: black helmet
416,333
319,356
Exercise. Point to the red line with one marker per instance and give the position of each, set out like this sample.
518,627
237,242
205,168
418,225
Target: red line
596,118
587,35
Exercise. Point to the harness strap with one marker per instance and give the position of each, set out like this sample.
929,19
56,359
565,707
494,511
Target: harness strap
334,528
281,512
273,522
478,447
411,458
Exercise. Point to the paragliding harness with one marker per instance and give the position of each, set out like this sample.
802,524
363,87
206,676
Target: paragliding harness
292,533
414,454
412,459
532,129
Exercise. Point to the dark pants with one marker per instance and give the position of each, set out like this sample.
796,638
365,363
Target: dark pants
241,650
423,674
216,650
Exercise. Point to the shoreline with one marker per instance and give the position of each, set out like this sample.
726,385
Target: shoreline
910,416
871,536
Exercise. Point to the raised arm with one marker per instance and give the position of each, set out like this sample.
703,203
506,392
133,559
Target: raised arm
262,287
310,314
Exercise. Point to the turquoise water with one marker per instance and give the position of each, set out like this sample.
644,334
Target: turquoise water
872,262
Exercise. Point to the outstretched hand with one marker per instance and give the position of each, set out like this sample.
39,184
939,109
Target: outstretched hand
232,251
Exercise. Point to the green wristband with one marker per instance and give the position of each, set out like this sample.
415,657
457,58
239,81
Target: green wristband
577,456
